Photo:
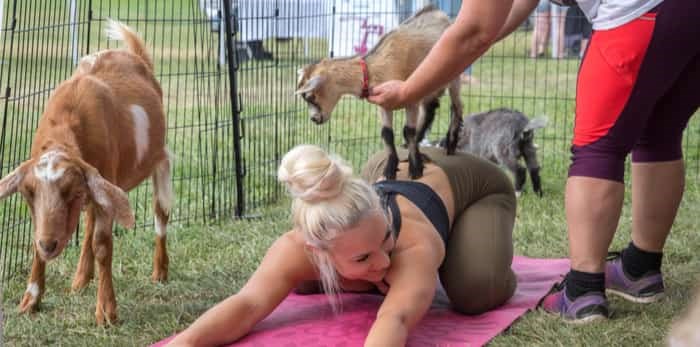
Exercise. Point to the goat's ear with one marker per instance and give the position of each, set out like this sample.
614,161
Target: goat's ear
312,84
300,74
108,197
10,183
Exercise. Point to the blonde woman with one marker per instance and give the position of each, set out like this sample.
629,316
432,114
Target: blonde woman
395,237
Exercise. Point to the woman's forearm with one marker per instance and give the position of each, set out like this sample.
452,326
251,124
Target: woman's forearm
226,322
388,330
475,29
448,58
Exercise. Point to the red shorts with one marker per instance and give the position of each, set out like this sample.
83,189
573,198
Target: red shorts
607,75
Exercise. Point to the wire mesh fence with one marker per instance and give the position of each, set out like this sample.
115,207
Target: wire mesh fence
231,121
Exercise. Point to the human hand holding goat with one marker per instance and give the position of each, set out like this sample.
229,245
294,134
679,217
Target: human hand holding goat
388,95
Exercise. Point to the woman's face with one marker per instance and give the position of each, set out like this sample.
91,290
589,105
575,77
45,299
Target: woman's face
361,252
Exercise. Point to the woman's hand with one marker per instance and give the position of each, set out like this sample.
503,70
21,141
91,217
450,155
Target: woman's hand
389,95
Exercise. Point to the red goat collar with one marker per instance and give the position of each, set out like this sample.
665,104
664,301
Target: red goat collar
365,79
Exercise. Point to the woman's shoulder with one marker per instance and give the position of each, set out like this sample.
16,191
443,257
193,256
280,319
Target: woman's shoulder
290,252
292,241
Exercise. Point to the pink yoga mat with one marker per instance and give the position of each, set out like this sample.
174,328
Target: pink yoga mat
307,321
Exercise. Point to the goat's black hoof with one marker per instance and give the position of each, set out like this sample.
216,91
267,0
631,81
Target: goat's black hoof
415,167
539,193
392,166
450,145
415,173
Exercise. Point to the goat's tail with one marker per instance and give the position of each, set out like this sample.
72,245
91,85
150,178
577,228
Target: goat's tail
121,32
536,123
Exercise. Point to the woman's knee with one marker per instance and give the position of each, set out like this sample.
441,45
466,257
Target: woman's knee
475,294
599,161
668,151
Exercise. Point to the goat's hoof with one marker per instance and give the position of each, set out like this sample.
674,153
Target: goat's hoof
80,282
415,165
539,193
392,166
105,315
28,304
415,171
451,146
159,276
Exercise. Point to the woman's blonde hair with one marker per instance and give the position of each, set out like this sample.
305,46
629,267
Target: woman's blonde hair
327,200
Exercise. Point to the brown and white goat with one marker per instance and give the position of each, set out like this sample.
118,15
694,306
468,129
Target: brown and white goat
395,57
101,134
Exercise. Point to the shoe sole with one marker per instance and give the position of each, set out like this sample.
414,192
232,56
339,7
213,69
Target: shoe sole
585,320
580,321
636,299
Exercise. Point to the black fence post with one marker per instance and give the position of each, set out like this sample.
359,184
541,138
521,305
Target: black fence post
235,112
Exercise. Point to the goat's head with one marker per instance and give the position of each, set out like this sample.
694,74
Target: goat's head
317,86
56,186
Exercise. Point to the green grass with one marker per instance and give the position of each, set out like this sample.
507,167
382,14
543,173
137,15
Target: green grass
210,263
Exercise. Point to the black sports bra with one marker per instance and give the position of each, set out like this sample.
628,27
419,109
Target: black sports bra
419,194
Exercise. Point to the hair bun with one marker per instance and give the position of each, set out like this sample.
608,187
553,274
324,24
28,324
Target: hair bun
313,175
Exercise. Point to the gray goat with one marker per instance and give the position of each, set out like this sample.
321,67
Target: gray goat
503,136
394,57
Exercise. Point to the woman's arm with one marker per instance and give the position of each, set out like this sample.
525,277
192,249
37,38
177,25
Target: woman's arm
284,265
413,281
478,25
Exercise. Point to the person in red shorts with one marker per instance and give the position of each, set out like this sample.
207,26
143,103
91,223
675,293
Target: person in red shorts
638,86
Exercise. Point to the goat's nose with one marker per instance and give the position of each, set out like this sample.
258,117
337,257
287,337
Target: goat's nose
48,246
316,120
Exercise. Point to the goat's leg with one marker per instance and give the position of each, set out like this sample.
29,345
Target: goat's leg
520,178
106,308
35,285
509,160
86,264
162,202
415,159
529,152
428,111
392,163
456,110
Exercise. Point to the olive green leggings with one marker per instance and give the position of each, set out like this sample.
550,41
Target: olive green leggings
476,272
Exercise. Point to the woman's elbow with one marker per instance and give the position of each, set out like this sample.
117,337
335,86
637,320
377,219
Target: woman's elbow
476,38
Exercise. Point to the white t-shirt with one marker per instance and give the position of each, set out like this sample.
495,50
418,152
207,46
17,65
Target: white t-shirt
608,14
